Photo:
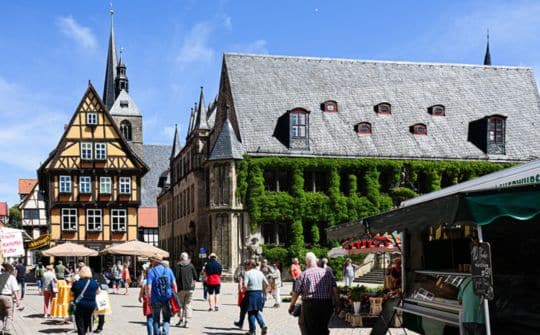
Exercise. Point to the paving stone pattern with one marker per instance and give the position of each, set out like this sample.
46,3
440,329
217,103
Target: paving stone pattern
127,317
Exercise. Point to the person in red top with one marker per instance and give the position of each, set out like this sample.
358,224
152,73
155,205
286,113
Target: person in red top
295,271
213,271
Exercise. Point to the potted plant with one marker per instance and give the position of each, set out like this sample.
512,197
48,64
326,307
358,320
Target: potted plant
356,297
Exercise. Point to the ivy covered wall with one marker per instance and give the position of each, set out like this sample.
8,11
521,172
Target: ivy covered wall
355,188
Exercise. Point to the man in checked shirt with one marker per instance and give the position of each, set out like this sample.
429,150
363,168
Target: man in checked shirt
317,288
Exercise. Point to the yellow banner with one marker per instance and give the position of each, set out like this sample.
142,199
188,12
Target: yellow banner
39,242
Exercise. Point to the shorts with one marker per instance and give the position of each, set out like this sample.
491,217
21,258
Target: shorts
117,281
214,289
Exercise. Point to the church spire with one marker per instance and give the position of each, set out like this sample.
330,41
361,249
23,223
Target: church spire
176,143
487,56
109,91
200,118
121,82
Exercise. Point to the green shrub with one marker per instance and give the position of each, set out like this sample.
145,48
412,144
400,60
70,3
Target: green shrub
276,253
400,194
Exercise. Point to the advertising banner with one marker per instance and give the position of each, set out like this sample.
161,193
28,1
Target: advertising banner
12,242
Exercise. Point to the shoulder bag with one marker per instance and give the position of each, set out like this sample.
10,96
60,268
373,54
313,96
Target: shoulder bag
73,304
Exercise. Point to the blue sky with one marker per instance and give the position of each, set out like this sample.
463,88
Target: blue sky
51,49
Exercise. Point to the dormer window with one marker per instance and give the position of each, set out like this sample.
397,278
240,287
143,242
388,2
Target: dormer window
384,108
329,106
419,129
437,110
298,119
124,103
488,134
363,128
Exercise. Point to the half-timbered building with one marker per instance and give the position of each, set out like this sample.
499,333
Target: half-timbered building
92,180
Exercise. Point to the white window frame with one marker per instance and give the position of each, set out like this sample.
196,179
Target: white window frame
118,220
67,214
91,119
85,181
94,219
124,185
100,151
86,151
105,182
65,184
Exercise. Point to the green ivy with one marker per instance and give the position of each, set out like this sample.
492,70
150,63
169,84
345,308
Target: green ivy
322,210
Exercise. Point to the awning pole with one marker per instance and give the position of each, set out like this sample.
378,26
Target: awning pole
486,304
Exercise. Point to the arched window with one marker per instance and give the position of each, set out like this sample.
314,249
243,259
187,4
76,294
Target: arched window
125,129
363,128
383,108
329,106
437,110
419,129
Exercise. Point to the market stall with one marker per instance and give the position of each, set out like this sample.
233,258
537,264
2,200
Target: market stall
443,230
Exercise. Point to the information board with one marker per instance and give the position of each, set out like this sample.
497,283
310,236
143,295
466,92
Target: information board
481,270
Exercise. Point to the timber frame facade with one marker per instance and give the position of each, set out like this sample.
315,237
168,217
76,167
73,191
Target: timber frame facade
92,180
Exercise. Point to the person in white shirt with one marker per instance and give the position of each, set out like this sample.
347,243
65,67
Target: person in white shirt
9,290
255,283
49,285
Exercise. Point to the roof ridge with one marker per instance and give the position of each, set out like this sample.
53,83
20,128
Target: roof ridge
252,55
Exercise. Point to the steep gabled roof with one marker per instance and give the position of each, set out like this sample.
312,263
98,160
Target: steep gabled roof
200,116
227,145
265,87
125,106
157,158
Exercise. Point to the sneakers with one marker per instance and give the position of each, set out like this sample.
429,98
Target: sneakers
216,308
210,309
98,330
264,330
179,323
237,324
186,324
276,305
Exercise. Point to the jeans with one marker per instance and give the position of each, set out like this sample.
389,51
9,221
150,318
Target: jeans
149,325
348,281
255,317
20,281
157,309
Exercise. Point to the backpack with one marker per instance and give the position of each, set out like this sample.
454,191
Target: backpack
163,285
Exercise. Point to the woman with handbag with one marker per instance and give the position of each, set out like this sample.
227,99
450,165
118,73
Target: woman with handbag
147,307
49,289
85,290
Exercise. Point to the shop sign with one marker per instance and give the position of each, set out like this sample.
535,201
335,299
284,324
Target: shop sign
39,242
481,270
12,242
527,180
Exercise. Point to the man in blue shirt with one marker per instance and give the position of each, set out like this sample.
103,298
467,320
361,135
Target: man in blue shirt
160,285
21,273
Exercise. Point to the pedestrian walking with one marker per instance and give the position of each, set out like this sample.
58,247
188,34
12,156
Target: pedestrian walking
255,283
242,301
21,276
204,282
100,278
349,270
213,270
38,273
295,271
85,290
267,272
317,288
145,300
324,265
185,276
126,277
49,287
275,285
9,291
60,270
117,276
159,287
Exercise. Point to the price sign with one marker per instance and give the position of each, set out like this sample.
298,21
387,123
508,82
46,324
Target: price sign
482,270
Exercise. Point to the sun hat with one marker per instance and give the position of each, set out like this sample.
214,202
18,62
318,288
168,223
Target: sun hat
156,257
212,255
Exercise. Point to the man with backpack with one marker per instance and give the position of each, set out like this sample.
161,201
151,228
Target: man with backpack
160,285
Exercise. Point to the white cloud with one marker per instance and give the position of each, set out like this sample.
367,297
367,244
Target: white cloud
82,35
257,47
195,48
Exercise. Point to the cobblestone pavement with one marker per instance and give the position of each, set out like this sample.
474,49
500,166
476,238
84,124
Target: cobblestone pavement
127,317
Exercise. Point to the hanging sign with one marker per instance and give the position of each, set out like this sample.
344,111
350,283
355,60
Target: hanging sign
39,242
482,271
12,242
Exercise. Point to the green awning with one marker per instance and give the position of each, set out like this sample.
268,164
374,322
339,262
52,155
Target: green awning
485,208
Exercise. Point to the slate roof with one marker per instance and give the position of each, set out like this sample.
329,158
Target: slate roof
265,87
157,159
227,145
124,105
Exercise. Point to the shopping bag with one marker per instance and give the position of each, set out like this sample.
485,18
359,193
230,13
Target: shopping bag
147,307
175,307
102,301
